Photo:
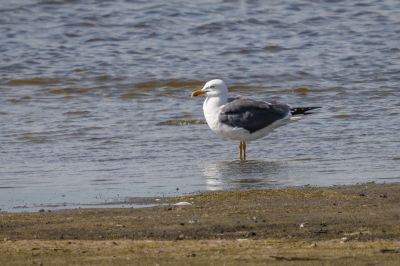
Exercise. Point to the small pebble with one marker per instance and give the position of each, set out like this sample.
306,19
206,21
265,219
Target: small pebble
302,225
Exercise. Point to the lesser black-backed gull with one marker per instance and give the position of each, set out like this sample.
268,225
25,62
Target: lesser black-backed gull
243,119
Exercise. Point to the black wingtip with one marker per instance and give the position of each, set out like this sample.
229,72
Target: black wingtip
302,110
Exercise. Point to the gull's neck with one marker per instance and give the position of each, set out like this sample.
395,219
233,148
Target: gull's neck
211,107
214,102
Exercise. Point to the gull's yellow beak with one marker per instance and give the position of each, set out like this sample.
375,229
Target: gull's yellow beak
198,93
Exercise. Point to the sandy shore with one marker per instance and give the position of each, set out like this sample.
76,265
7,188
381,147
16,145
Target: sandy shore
346,224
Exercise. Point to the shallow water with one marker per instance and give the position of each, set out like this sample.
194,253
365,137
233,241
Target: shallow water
95,96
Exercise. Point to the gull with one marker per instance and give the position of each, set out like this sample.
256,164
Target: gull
243,119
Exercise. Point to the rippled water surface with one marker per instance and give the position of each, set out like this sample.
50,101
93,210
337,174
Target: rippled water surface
95,96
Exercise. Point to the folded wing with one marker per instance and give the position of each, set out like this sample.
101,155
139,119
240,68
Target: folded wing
252,115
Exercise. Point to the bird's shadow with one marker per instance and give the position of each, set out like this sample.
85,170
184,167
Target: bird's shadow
222,175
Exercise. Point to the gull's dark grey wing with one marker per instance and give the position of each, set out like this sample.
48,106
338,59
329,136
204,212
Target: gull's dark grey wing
252,115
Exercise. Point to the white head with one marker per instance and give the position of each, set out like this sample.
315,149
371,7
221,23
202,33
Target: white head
213,88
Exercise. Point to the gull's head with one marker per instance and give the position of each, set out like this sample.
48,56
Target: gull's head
213,88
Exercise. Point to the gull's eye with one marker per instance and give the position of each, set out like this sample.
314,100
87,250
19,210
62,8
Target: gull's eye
212,87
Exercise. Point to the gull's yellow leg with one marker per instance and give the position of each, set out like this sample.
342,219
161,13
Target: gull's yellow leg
244,150
240,150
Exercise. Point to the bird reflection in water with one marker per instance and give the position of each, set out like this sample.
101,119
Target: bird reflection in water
222,175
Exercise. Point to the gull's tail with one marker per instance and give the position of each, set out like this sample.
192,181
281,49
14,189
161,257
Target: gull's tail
302,110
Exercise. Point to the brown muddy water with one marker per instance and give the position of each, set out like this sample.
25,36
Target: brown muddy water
95,96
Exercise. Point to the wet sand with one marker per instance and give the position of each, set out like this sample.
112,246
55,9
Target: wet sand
344,224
